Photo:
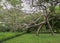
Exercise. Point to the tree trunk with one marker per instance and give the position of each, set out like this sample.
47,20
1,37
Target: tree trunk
50,27
37,33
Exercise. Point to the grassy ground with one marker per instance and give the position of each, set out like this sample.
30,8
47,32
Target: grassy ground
6,35
32,38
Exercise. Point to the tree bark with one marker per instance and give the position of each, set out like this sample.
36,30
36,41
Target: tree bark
37,33
50,27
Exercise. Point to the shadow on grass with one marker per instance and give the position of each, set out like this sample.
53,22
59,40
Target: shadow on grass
1,41
25,33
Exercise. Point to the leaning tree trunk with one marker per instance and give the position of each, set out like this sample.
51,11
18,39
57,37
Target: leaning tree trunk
46,19
39,28
50,27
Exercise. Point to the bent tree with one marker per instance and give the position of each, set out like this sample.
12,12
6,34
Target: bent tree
48,7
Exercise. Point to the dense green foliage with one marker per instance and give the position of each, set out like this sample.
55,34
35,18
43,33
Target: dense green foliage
14,19
14,2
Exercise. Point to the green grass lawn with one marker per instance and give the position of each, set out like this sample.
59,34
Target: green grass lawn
32,38
5,35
